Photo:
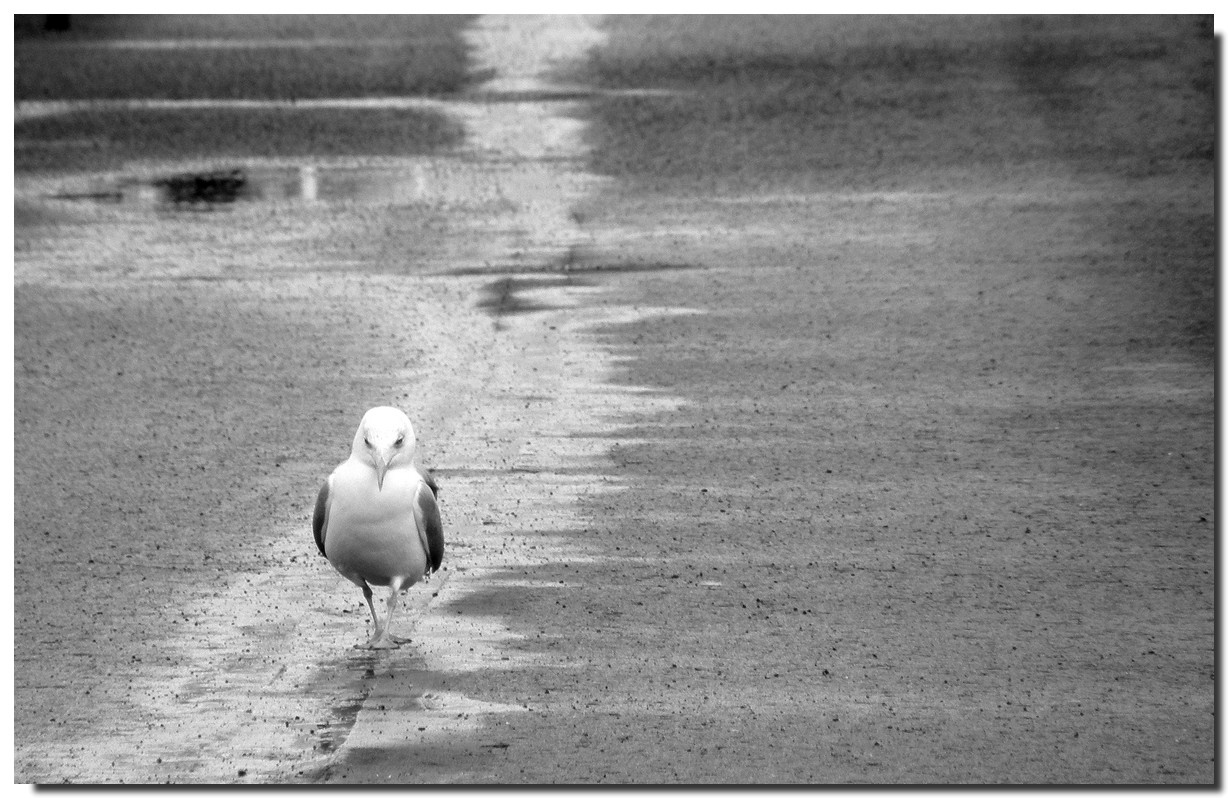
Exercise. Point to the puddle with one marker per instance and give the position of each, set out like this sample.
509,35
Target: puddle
306,183
216,44
496,190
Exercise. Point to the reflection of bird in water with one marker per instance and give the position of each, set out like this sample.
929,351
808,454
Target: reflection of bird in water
222,186
376,519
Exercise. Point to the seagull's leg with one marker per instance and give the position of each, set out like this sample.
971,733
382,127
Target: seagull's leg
386,640
395,597
366,593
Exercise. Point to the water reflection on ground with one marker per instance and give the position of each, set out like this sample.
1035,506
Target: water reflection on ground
284,183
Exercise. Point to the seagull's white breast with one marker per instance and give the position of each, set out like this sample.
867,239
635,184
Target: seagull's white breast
372,533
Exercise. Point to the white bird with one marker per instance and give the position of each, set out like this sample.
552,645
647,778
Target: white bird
376,519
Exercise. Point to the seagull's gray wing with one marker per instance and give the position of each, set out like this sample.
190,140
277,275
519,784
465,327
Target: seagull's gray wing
430,525
319,519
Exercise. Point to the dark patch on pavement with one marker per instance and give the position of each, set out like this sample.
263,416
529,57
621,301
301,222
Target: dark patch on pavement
501,297
219,186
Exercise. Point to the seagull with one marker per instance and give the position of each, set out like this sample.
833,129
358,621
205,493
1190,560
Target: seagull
376,519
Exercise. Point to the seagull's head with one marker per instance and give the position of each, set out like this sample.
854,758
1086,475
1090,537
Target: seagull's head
385,439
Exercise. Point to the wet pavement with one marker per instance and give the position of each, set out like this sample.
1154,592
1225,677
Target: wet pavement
672,556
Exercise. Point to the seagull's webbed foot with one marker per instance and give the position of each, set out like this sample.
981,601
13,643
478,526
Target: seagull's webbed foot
375,645
384,637
383,643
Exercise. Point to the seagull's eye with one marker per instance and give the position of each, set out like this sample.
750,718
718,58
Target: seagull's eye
367,441
400,439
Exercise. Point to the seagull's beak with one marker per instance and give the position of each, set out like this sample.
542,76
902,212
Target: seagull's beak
381,468
382,461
